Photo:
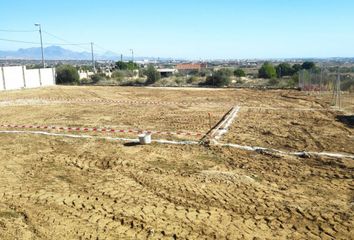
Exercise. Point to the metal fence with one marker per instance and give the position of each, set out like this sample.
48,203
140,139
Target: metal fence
333,86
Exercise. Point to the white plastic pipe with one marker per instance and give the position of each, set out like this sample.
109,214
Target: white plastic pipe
162,141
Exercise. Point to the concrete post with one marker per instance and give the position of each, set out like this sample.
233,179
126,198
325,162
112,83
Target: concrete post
3,77
40,77
53,74
24,76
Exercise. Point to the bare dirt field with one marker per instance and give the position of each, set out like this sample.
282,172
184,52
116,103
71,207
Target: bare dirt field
56,187
291,130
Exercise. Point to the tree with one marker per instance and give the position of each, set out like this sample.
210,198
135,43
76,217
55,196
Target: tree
193,72
95,78
239,73
267,71
132,66
308,65
152,75
205,72
118,75
121,65
225,71
297,67
284,69
192,80
67,74
220,78
126,65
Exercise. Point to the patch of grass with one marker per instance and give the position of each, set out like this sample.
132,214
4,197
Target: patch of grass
9,214
64,178
256,178
210,159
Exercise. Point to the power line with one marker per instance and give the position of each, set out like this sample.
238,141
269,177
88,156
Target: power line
101,49
68,42
104,49
59,38
107,50
18,41
46,43
74,44
9,30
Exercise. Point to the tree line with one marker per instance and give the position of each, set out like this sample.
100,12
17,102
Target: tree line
67,74
269,71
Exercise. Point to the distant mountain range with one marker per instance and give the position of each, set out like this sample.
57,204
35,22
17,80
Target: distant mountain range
54,53
59,53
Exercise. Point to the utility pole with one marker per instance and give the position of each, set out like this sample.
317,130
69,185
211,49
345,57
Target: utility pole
131,50
321,78
93,60
40,35
338,91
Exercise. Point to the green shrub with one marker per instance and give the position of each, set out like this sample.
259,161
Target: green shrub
180,81
192,80
220,78
240,81
95,78
204,72
118,75
193,72
267,71
152,75
126,65
273,82
308,65
284,69
85,81
239,73
67,74
225,71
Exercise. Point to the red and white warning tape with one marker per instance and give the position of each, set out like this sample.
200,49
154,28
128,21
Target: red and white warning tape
109,101
104,130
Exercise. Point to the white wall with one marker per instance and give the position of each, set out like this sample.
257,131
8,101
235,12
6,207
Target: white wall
32,78
83,74
47,77
19,77
13,77
1,80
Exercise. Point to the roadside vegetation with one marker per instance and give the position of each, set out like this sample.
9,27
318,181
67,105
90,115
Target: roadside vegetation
67,74
268,75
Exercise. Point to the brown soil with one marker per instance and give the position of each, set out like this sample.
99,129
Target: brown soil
63,188
291,130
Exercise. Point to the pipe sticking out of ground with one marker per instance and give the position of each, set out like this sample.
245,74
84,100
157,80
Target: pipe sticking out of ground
299,154
162,141
134,140
216,132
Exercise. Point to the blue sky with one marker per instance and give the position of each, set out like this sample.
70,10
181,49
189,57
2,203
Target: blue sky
199,29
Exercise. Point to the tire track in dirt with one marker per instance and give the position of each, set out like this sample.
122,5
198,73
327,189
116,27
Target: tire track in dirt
169,209
110,192
272,213
192,194
82,210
